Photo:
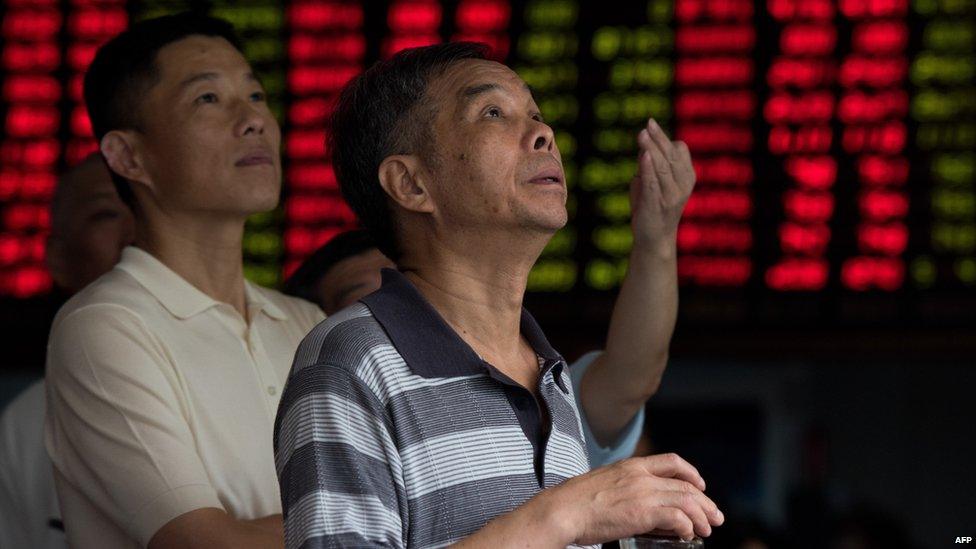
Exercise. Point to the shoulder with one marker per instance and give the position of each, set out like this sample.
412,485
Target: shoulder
24,414
103,325
352,341
343,339
114,294
337,360
99,309
28,401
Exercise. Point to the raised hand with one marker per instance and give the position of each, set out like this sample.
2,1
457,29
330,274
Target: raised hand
660,190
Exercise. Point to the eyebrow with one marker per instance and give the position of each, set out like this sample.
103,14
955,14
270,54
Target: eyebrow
471,92
201,76
198,77
468,94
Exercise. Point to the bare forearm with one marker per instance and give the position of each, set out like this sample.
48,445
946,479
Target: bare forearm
273,524
643,320
215,528
629,371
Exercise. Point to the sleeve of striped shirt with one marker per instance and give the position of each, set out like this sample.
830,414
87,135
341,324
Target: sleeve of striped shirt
339,471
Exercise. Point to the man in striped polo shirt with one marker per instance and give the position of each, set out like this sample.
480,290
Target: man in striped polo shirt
434,411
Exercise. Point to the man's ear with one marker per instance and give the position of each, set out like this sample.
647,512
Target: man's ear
403,178
121,151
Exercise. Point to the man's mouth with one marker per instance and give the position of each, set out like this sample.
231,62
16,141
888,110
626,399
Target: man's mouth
255,159
548,177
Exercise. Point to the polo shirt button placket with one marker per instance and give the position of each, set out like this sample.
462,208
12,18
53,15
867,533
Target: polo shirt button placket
253,343
255,350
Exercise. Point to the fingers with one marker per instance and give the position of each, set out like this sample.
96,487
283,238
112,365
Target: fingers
672,519
673,466
661,140
690,506
662,168
671,162
647,179
685,170
708,507
654,171
644,140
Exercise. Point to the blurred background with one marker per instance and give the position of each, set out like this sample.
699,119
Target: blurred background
824,363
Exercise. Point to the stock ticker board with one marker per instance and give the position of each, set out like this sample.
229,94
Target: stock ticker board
833,140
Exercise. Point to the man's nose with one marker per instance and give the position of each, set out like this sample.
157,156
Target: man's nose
542,136
251,120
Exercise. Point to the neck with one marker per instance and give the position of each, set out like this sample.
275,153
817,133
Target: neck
478,291
206,253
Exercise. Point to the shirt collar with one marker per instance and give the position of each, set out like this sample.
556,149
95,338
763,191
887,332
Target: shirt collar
256,298
182,299
429,346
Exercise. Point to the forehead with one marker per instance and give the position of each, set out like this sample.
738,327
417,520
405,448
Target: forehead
468,73
195,54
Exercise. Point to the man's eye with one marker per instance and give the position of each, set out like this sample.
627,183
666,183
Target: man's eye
538,118
493,112
207,98
259,96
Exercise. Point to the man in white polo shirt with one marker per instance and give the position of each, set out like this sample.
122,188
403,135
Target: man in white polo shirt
164,375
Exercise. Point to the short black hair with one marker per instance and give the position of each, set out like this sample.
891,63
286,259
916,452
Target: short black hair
380,113
124,69
302,283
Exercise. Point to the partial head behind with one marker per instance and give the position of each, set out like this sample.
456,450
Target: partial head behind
339,273
89,226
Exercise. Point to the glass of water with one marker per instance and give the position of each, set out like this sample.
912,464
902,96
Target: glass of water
658,541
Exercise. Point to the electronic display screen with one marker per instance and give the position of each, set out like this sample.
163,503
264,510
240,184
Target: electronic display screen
834,141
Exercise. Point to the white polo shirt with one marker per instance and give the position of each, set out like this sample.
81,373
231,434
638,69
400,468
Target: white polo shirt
162,400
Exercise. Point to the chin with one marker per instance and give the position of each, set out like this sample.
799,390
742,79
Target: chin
552,221
559,215
264,198
263,206
556,225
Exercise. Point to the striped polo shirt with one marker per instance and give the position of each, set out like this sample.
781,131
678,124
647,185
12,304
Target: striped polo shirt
392,432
